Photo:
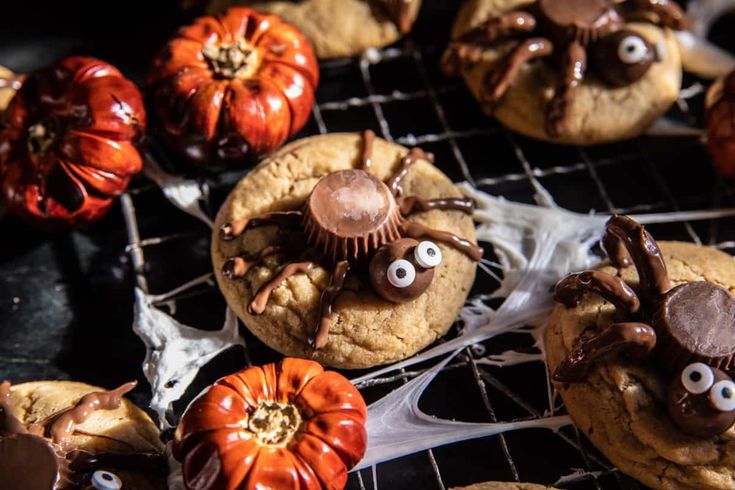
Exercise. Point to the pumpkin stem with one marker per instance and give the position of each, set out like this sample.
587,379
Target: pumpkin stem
234,60
40,139
274,423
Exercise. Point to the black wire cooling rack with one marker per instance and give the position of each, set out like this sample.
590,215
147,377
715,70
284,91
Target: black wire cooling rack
400,93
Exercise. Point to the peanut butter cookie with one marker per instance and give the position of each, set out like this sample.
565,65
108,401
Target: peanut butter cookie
73,435
338,28
629,408
501,485
341,218
568,71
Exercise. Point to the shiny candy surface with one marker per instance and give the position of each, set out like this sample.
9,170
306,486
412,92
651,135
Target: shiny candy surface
233,85
286,425
67,142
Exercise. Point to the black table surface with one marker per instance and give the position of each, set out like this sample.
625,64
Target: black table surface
66,299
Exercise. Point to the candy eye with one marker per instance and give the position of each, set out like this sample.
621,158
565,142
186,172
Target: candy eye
632,49
722,395
401,273
622,57
104,480
427,255
697,378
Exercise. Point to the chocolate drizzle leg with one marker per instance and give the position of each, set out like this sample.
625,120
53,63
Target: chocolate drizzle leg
643,249
40,456
413,156
415,204
235,228
691,326
466,50
571,31
569,291
62,427
239,266
368,140
349,218
638,338
415,230
574,64
259,302
319,339
497,81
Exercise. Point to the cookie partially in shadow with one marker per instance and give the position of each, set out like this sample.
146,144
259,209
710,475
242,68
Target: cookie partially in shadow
338,28
501,485
65,434
648,382
355,269
567,71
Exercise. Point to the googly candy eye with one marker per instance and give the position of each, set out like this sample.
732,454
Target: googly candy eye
622,57
697,378
722,395
427,254
105,480
401,273
632,49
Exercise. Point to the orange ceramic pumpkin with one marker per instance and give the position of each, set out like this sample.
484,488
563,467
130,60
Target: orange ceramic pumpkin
67,142
290,425
233,85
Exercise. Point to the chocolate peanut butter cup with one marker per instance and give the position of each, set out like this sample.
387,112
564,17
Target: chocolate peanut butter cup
350,214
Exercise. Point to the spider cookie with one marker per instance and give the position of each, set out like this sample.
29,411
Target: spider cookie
338,28
58,435
643,358
569,71
347,249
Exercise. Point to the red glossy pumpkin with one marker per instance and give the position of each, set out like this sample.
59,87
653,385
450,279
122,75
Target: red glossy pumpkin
67,142
233,85
285,426
720,122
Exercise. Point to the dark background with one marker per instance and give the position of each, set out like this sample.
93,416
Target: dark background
66,298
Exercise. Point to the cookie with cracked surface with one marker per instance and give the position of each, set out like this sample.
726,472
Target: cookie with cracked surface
501,485
364,330
338,28
115,438
621,406
593,111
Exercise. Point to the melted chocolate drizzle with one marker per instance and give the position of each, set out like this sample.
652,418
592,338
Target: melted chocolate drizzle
62,427
638,338
569,291
57,429
259,302
236,267
329,296
565,28
368,140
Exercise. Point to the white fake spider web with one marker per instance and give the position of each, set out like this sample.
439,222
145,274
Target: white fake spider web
535,245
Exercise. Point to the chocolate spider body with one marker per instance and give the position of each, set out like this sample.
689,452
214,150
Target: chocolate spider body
46,446
354,221
577,34
688,329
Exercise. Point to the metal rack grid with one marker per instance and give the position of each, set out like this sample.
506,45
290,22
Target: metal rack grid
644,175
